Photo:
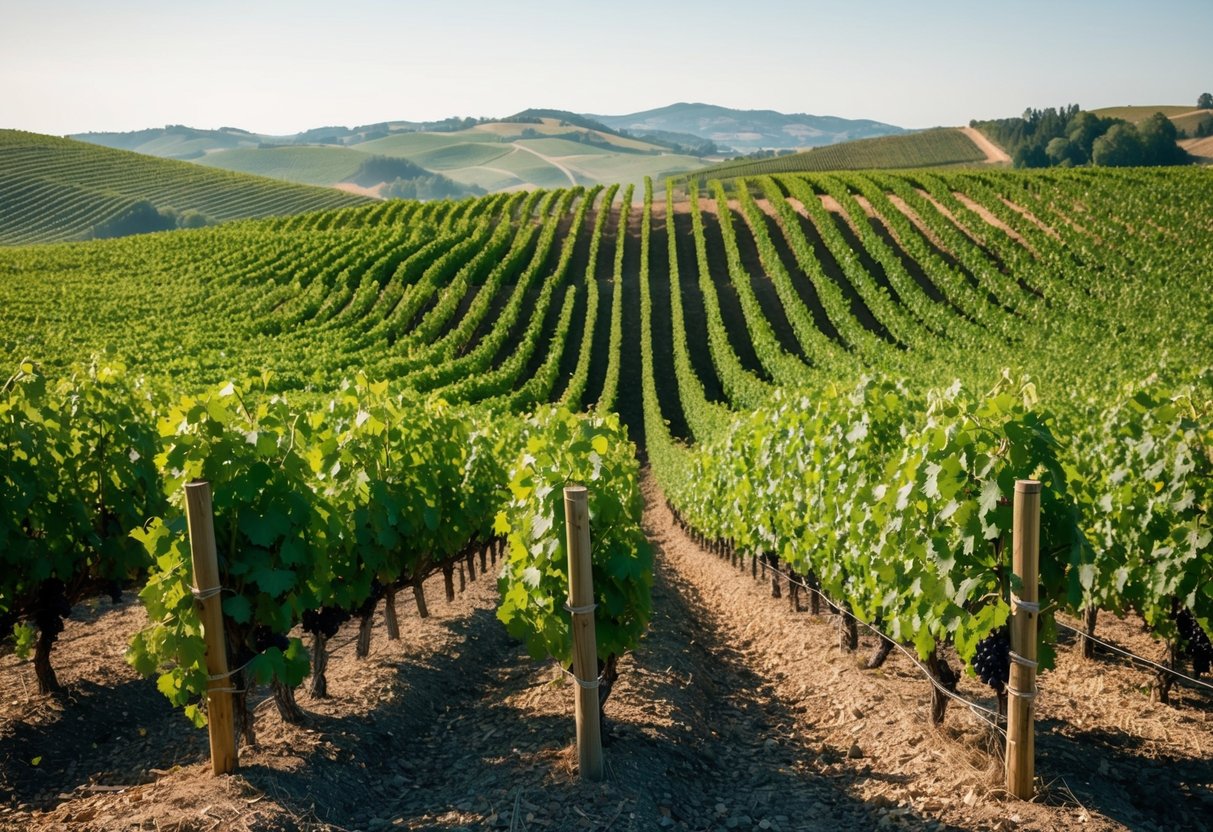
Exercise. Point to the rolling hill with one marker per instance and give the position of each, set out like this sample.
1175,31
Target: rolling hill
749,129
1140,112
940,147
54,189
1184,117
548,152
535,148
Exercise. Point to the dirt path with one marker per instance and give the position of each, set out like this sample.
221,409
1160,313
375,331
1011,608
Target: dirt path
736,711
550,161
1102,750
112,754
995,155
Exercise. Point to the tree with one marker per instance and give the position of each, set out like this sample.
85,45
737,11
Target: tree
1205,102
1119,147
1030,156
1061,152
1085,128
1158,136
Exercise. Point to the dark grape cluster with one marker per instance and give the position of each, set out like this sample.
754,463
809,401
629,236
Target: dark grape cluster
114,590
325,621
992,661
264,638
50,608
1194,642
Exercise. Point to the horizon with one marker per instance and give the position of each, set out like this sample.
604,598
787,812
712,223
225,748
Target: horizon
279,70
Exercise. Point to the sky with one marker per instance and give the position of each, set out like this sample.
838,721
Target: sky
69,66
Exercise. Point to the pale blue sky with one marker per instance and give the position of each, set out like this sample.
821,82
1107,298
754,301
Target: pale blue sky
282,67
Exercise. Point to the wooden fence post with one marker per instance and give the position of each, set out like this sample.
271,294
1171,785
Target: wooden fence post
585,645
1025,608
210,607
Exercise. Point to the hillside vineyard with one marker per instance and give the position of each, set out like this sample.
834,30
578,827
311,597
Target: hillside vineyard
57,190
839,375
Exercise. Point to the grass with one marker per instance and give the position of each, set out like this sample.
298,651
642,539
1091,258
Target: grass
563,147
487,178
551,127
460,155
531,169
307,165
1138,113
940,147
1190,121
410,144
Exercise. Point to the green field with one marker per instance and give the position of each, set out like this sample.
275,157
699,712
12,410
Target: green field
940,147
306,165
632,169
56,189
460,155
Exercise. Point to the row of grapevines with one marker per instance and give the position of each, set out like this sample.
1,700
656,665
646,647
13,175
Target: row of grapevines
76,473
575,389
783,367
742,387
322,512
610,385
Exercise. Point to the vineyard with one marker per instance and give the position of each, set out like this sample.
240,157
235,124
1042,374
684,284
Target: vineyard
55,190
940,147
818,387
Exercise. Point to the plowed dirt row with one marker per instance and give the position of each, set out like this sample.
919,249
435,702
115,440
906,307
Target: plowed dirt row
736,712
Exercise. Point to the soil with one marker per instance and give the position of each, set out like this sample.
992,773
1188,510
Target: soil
989,217
922,227
995,155
1202,149
735,712
374,191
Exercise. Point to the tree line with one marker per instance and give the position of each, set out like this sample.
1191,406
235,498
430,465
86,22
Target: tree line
1070,136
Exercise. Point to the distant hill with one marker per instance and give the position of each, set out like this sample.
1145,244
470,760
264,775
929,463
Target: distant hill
538,148
534,148
940,147
54,189
748,129
177,141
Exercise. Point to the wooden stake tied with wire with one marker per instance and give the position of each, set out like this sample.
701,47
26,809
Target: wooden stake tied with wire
585,647
1025,609
207,587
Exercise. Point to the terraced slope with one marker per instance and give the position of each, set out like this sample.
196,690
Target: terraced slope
54,189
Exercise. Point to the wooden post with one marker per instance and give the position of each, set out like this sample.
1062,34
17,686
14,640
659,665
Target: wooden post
1090,617
585,645
1021,706
210,609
